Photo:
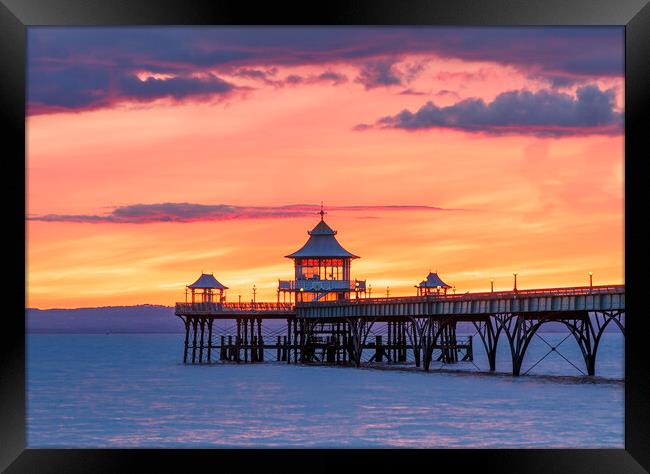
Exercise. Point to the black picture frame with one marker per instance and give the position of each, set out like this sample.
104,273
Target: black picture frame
17,15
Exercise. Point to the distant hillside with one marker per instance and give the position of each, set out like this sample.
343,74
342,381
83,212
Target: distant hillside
148,319
112,319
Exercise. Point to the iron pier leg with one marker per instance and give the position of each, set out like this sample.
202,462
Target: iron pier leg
194,324
260,340
337,342
389,343
202,324
416,343
288,339
283,348
489,332
379,350
344,343
245,321
187,338
253,349
238,341
210,321
400,341
423,341
395,342
295,341
301,329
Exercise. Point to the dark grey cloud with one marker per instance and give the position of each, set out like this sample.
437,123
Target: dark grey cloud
542,113
83,87
558,81
263,75
411,92
582,51
379,74
175,87
189,212
269,76
332,77
335,77
294,79
447,93
73,68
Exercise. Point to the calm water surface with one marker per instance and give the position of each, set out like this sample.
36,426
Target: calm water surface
131,391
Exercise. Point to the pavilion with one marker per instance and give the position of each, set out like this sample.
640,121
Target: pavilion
432,285
208,288
321,269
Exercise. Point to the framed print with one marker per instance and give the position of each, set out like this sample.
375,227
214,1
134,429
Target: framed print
259,234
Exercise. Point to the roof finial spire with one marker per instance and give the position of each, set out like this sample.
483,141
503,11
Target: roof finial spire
322,212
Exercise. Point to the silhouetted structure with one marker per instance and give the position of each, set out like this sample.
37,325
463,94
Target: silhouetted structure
432,285
321,269
207,288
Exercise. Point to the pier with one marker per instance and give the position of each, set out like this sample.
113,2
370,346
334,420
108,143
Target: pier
398,329
325,317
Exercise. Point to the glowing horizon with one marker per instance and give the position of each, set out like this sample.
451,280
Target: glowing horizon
147,164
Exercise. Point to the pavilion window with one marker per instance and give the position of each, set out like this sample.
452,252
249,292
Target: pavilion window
307,272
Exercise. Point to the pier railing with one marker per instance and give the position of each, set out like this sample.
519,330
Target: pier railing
231,308
489,295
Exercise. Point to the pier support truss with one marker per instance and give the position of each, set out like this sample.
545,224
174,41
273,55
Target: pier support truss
588,331
587,328
418,340
489,334
359,330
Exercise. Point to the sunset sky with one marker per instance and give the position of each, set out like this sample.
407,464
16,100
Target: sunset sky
156,153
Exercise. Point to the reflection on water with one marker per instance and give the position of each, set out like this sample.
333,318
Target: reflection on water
131,391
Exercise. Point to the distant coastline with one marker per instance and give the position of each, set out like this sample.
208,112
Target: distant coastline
141,319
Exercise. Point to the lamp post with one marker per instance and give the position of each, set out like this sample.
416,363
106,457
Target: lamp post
387,291
515,275
454,289
591,280
239,298
370,291
254,292
491,285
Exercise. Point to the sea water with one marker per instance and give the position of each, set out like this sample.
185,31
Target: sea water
123,391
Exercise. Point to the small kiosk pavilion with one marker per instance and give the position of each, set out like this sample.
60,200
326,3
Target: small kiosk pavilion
322,269
207,289
432,285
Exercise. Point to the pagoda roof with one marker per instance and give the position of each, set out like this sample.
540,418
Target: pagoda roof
433,281
322,243
207,281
